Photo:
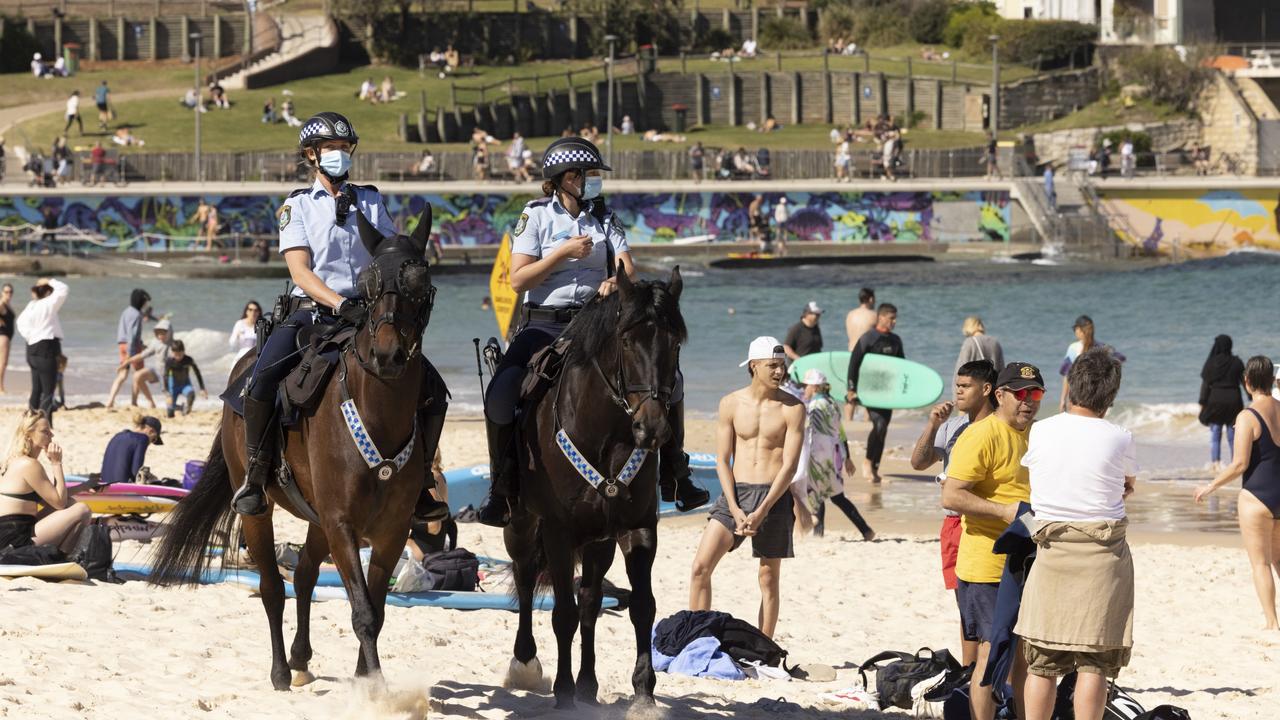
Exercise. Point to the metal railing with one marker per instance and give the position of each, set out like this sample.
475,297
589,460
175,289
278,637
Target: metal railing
43,9
266,41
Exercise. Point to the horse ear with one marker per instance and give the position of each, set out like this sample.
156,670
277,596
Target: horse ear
624,280
422,233
676,283
369,234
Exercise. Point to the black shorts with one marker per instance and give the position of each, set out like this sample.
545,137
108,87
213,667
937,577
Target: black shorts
977,606
102,107
773,540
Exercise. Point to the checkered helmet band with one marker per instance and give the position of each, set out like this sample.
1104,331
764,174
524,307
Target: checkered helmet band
571,154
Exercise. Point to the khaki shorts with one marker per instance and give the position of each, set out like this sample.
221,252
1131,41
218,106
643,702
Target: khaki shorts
1047,662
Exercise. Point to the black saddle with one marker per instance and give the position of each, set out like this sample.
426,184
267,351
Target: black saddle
321,347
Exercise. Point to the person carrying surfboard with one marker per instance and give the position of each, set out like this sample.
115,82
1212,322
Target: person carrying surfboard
880,340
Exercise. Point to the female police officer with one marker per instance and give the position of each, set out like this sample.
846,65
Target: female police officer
562,255
320,241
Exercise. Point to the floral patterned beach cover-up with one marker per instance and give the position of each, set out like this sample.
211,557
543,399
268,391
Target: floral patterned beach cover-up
819,472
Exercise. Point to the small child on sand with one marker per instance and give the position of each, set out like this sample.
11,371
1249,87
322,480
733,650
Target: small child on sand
177,378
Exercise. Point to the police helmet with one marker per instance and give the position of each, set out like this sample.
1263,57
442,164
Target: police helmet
571,153
327,126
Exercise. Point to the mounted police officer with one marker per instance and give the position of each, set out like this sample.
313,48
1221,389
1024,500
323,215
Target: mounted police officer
566,246
320,241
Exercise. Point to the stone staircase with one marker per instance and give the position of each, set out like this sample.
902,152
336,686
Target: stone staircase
1259,102
308,46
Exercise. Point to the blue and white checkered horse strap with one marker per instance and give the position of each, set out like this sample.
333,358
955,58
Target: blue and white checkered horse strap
364,443
593,477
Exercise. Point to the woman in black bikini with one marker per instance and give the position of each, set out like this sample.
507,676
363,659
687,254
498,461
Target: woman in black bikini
1257,458
24,483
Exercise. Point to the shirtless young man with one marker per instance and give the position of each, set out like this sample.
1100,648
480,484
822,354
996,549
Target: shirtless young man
758,439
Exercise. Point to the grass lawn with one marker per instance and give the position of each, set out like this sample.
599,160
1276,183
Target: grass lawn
25,89
167,127
890,60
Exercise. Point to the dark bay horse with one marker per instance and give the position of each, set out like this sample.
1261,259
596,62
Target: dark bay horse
354,497
608,411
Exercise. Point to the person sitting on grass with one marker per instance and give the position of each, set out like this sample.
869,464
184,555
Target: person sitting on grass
25,485
177,378
127,450
269,111
287,114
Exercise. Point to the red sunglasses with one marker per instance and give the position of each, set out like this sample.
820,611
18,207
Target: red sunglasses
1023,394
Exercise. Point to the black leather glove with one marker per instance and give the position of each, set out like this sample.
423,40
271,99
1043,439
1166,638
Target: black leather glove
352,311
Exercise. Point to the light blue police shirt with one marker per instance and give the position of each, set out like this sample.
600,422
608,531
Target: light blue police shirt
309,220
542,227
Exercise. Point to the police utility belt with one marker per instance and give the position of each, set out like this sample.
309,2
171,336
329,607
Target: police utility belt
551,314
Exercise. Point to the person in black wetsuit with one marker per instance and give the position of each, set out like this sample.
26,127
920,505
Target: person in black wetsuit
880,340
1257,458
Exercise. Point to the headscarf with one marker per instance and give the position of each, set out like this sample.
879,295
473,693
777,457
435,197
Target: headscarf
1220,359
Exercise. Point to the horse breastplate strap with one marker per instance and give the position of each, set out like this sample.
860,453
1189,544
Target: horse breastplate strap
594,477
368,449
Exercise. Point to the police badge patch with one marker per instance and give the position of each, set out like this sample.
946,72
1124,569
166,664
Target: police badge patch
341,128
520,224
285,214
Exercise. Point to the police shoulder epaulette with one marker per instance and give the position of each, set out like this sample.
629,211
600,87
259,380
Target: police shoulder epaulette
539,202
300,191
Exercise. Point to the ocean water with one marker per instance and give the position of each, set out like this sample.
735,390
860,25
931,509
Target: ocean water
1162,317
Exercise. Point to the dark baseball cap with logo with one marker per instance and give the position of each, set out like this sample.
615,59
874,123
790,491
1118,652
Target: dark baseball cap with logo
1017,376
154,424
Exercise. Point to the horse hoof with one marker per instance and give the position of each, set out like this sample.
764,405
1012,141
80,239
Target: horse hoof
302,677
280,682
644,708
525,676
565,703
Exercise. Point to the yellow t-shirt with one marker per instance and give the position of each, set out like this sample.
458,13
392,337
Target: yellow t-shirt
989,455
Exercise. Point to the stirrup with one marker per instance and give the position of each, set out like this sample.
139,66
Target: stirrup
249,499
495,511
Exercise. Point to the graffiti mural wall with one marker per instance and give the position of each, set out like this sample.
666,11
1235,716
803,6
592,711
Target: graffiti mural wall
482,218
1197,222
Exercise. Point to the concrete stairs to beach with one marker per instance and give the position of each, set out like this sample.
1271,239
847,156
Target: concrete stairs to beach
301,38
1257,99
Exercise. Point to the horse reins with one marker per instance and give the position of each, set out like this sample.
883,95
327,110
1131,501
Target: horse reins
618,393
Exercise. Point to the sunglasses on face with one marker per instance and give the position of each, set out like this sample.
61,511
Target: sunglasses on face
1024,394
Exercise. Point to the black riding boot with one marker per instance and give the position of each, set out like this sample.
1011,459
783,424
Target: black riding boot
496,509
259,417
675,480
428,508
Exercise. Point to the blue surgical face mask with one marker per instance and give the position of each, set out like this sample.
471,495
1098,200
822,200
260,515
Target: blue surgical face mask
592,186
335,163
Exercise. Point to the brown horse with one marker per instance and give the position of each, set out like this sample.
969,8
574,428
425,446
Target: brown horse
610,404
354,497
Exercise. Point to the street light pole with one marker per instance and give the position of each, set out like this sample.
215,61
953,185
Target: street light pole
195,37
995,84
608,143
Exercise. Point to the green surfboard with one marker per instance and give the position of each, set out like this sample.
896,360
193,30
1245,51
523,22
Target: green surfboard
884,382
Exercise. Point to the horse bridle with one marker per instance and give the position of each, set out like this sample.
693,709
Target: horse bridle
426,299
618,392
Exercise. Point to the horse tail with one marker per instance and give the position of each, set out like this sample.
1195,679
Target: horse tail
181,558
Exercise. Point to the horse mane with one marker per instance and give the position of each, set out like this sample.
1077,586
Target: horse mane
599,322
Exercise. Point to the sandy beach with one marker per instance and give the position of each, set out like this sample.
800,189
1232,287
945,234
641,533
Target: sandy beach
104,651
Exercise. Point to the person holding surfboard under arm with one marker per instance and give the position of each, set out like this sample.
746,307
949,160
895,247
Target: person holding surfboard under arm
880,340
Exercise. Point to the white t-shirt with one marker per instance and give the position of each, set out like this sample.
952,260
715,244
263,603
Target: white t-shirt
1078,466
73,105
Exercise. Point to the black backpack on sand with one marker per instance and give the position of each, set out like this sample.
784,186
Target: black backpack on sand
895,681
456,569
93,552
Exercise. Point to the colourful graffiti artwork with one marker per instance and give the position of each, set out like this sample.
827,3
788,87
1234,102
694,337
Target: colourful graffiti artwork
1196,222
482,218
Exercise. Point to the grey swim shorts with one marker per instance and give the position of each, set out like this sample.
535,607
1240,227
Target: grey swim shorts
773,540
